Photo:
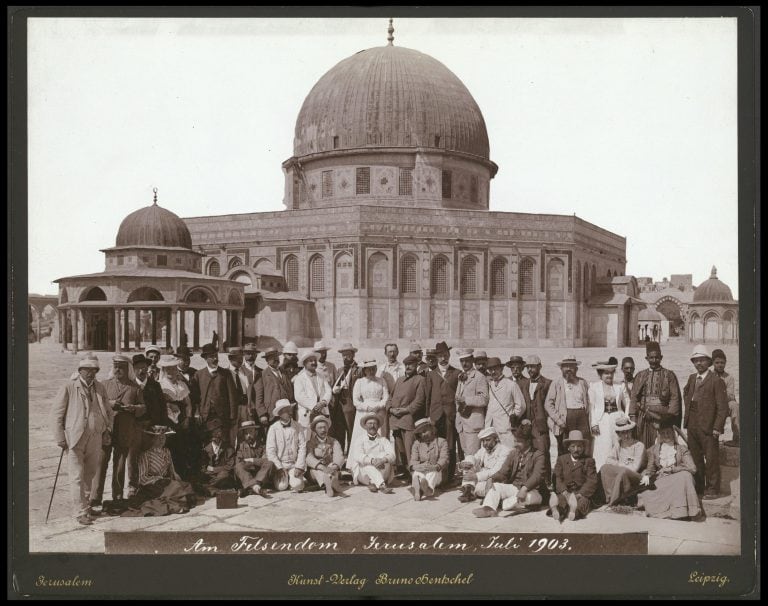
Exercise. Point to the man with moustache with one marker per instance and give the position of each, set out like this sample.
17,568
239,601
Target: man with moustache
538,386
391,371
272,386
218,461
287,449
312,393
406,405
252,467
290,366
416,350
324,456
655,395
505,403
243,381
481,362
343,408
567,404
516,365
249,361
471,402
185,370
442,383
213,393
150,393
430,361
325,369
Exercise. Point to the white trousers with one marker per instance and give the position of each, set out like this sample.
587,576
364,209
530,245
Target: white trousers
480,487
376,476
84,463
507,494
433,478
285,478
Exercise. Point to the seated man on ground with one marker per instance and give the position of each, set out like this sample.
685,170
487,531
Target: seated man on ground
478,468
521,479
217,462
252,467
575,480
324,456
372,457
287,448
429,456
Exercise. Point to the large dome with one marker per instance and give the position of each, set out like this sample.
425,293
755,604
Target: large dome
153,226
390,96
713,290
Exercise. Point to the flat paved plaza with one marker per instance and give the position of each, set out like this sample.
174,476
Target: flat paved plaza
358,510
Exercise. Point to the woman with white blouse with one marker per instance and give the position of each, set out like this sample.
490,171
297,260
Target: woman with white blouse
370,394
606,403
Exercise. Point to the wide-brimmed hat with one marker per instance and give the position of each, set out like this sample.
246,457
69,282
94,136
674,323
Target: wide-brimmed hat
235,351
183,351
487,433
159,430
246,425
214,423
623,424
493,363
515,360
149,348
209,350
422,424
411,359
281,405
139,359
347,347
367,417
570,359
306,356
574,436
414,346
481,355
319,419
466,352
88,362
321,346
700,351
250,348
442,347
290,348
604,366
270,352
533,360
369,364
167,360
120,359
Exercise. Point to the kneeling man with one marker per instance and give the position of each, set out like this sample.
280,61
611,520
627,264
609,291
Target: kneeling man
518,483
478,468
372,457
252,468
429,456
287,448
324,456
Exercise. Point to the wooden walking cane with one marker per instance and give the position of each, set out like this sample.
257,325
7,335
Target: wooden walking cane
58,469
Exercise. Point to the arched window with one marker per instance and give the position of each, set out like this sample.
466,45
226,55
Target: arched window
499,277
234,298
527,276
711,328
408,275
317,274
234,262
555,279
468,281
291,272
199,295
94,294
214,269
439,276
378,275
145,293
344,277
242,277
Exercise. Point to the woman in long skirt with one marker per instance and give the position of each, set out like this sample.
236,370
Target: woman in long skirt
606,403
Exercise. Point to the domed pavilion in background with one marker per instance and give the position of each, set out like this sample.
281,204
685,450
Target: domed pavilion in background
152,290
387,232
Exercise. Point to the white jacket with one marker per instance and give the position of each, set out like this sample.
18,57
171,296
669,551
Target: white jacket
308,395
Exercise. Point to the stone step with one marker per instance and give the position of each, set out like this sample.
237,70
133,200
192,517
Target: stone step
729,456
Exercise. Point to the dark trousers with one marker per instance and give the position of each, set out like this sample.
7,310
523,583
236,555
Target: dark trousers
705,452
446,429
259,472
342,423
542,444
404,439
576,419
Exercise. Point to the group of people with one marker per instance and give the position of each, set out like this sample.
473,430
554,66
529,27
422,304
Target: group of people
174,432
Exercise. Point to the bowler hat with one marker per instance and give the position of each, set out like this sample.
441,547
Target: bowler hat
493,363
574,436
430,352
270,352
442,347
319,419
213,424
700,351
209,350
368,417
515,360
139,359
183,350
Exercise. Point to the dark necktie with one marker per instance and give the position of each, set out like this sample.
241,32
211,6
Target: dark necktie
372,438
238,382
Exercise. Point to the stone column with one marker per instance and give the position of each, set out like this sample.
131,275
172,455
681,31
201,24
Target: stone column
196,329
154,326
138,328
39,335
111,333
126,331
118,333
173,314
239,328
182,327
82,332
220,328
73,321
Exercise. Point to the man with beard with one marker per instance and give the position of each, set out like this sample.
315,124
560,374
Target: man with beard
391,371
416,350
243,380
252,467
287,449
471,402
249,361
406,404
213,392
477,469
324,456
218,461
150,393
185,370
505,403
538,386
325,369
343,407
290,366
516,365
273,385
311,391
442,383
481,362
567,404
655,395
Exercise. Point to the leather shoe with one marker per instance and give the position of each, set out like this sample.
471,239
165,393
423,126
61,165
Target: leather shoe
85,520
485,512
372,488
385,489
467,494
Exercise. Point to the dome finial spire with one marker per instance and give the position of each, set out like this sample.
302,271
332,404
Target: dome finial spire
390,32
154,201
714,272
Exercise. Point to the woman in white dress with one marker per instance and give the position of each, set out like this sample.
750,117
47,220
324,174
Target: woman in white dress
370,394
606,404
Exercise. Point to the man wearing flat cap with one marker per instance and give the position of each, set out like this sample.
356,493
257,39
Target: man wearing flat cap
217,462
273,385
471,402
406,404
312,392
124,400
252,467
213,393
655,395
706,408
442,383
81,420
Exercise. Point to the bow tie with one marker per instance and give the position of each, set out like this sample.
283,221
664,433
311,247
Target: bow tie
372,438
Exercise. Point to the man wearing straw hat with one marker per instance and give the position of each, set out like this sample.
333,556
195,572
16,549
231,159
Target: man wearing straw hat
471,402
290,366
706,408
429,457
325,369
252,467
567,403
343,407
271,387
324,456
311,391
575,479
287,449
81,420
371,457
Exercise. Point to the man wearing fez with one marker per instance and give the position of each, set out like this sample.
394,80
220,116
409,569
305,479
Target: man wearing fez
481,362
718,365
506,405
123,398
442,383
516,365
478,468
213,393
287,449
243,380
471,403
521,479
81,420
311,391
655,395
324,456
185,370
273,385
343,407
252,467
406,404
706,408
290,366
325,369
429,456
218,461
538,386
567,403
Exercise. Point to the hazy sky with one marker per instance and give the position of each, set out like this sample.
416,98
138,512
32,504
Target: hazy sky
628,123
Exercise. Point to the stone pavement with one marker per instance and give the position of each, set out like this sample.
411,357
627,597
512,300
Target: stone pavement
360,510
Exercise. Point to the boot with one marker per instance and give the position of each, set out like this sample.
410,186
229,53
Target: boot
467,493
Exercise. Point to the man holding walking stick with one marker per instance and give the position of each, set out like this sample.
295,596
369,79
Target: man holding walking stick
81,421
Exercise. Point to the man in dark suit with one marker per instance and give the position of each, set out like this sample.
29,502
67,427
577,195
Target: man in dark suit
185,370
706,408
516,365
441,404
273,385
213,393
575,479
342,406
218,461
538,386
406,405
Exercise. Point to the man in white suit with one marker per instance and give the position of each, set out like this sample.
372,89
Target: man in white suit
81,420
311,391
287,449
